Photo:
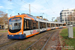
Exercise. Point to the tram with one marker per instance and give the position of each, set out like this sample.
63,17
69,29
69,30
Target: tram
25,25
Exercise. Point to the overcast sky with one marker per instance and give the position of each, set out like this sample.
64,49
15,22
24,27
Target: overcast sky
47,8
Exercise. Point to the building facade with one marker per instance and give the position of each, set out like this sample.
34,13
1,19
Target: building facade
64,14
4,26
1,26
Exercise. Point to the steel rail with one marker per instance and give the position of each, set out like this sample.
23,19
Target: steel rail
47,41
36,41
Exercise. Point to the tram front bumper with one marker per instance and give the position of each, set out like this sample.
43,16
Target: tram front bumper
16,36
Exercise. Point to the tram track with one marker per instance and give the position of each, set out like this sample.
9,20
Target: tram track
46,42
28,40
53,38
1,35
41,43
4,41
6,44
42,40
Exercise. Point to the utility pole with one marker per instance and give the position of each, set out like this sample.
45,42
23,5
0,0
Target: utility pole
52,18
29,9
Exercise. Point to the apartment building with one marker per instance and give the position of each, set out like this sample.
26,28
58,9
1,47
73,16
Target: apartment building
64,14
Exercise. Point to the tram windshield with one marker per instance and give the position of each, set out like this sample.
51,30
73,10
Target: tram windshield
15,24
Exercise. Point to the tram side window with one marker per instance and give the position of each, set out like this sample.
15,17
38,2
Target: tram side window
57,25
48,24
64,24
51,25
44,25
27,24
30,24
36,25
41,25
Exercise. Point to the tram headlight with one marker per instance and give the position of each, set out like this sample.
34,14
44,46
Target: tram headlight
20,33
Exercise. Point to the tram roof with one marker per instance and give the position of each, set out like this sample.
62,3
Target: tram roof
41,20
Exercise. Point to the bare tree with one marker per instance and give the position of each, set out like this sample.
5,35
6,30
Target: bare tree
3,18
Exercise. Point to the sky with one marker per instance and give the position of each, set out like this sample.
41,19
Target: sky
46,8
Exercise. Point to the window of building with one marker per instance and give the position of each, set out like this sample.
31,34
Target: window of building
70,12
67,12
64,15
